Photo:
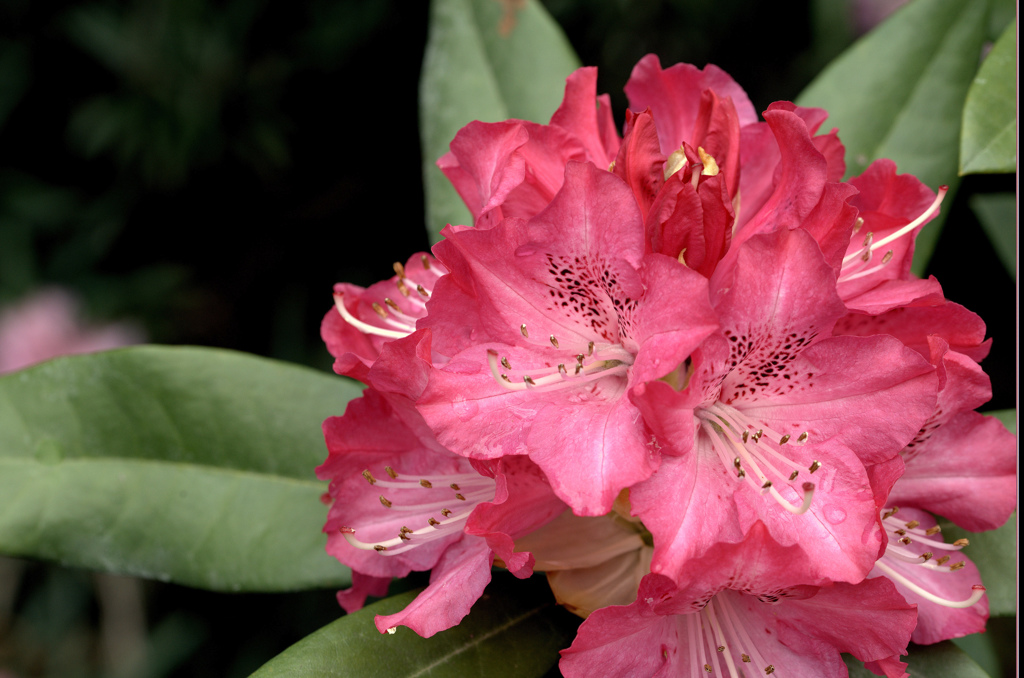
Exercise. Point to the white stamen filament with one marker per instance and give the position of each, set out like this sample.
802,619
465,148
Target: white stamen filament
339,303
863,255
729,429
607,362
467,491
714,633
978,589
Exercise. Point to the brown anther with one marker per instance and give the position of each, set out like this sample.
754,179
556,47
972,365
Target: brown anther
522,329
957,566
906,541
887,258
866,257
506,364
380,547
793,475
784,439
384,500
745,436
769,670
961,542
529,380
399,269
707,668
459,497
425,260
403,536
422,290
579,368
803,437
455,486
767,484
579,358
432,522
901,532
505,377
926,556
380,310
912,524
369,477
757,435
392,304
815,465
736,463
391,472
741,474
446,512
858,224
721,648
891,512
942,560
561,369
935,529
554,342
402,288
590,348
868,238
745,658
426,483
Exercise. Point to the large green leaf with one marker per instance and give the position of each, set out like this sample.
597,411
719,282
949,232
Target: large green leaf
515,630
988,141
899,92
182,464
942,660
489,61
995,554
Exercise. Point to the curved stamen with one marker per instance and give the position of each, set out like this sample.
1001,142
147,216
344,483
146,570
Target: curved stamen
864,254
339,303
752,456
562,376
978,590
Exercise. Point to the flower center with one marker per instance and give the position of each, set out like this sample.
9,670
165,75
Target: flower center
445,500
899,552
756,454
579,365
856,264
717,638
396,319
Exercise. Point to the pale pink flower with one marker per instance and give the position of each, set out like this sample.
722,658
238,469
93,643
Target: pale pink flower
47,324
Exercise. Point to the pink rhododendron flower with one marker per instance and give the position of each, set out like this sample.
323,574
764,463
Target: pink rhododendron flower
549,324
401,502
46,325
755,435
701,627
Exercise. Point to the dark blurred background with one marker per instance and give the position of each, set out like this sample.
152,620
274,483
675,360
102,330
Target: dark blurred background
208,169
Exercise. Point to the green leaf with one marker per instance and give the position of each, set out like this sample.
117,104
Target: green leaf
941,660
514,630
899,91
995,554
487,61
997,213
183,464
988,141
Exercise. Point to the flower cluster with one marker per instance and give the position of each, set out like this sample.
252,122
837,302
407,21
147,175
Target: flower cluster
688,374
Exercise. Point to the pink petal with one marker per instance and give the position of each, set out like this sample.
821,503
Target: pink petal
456,582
